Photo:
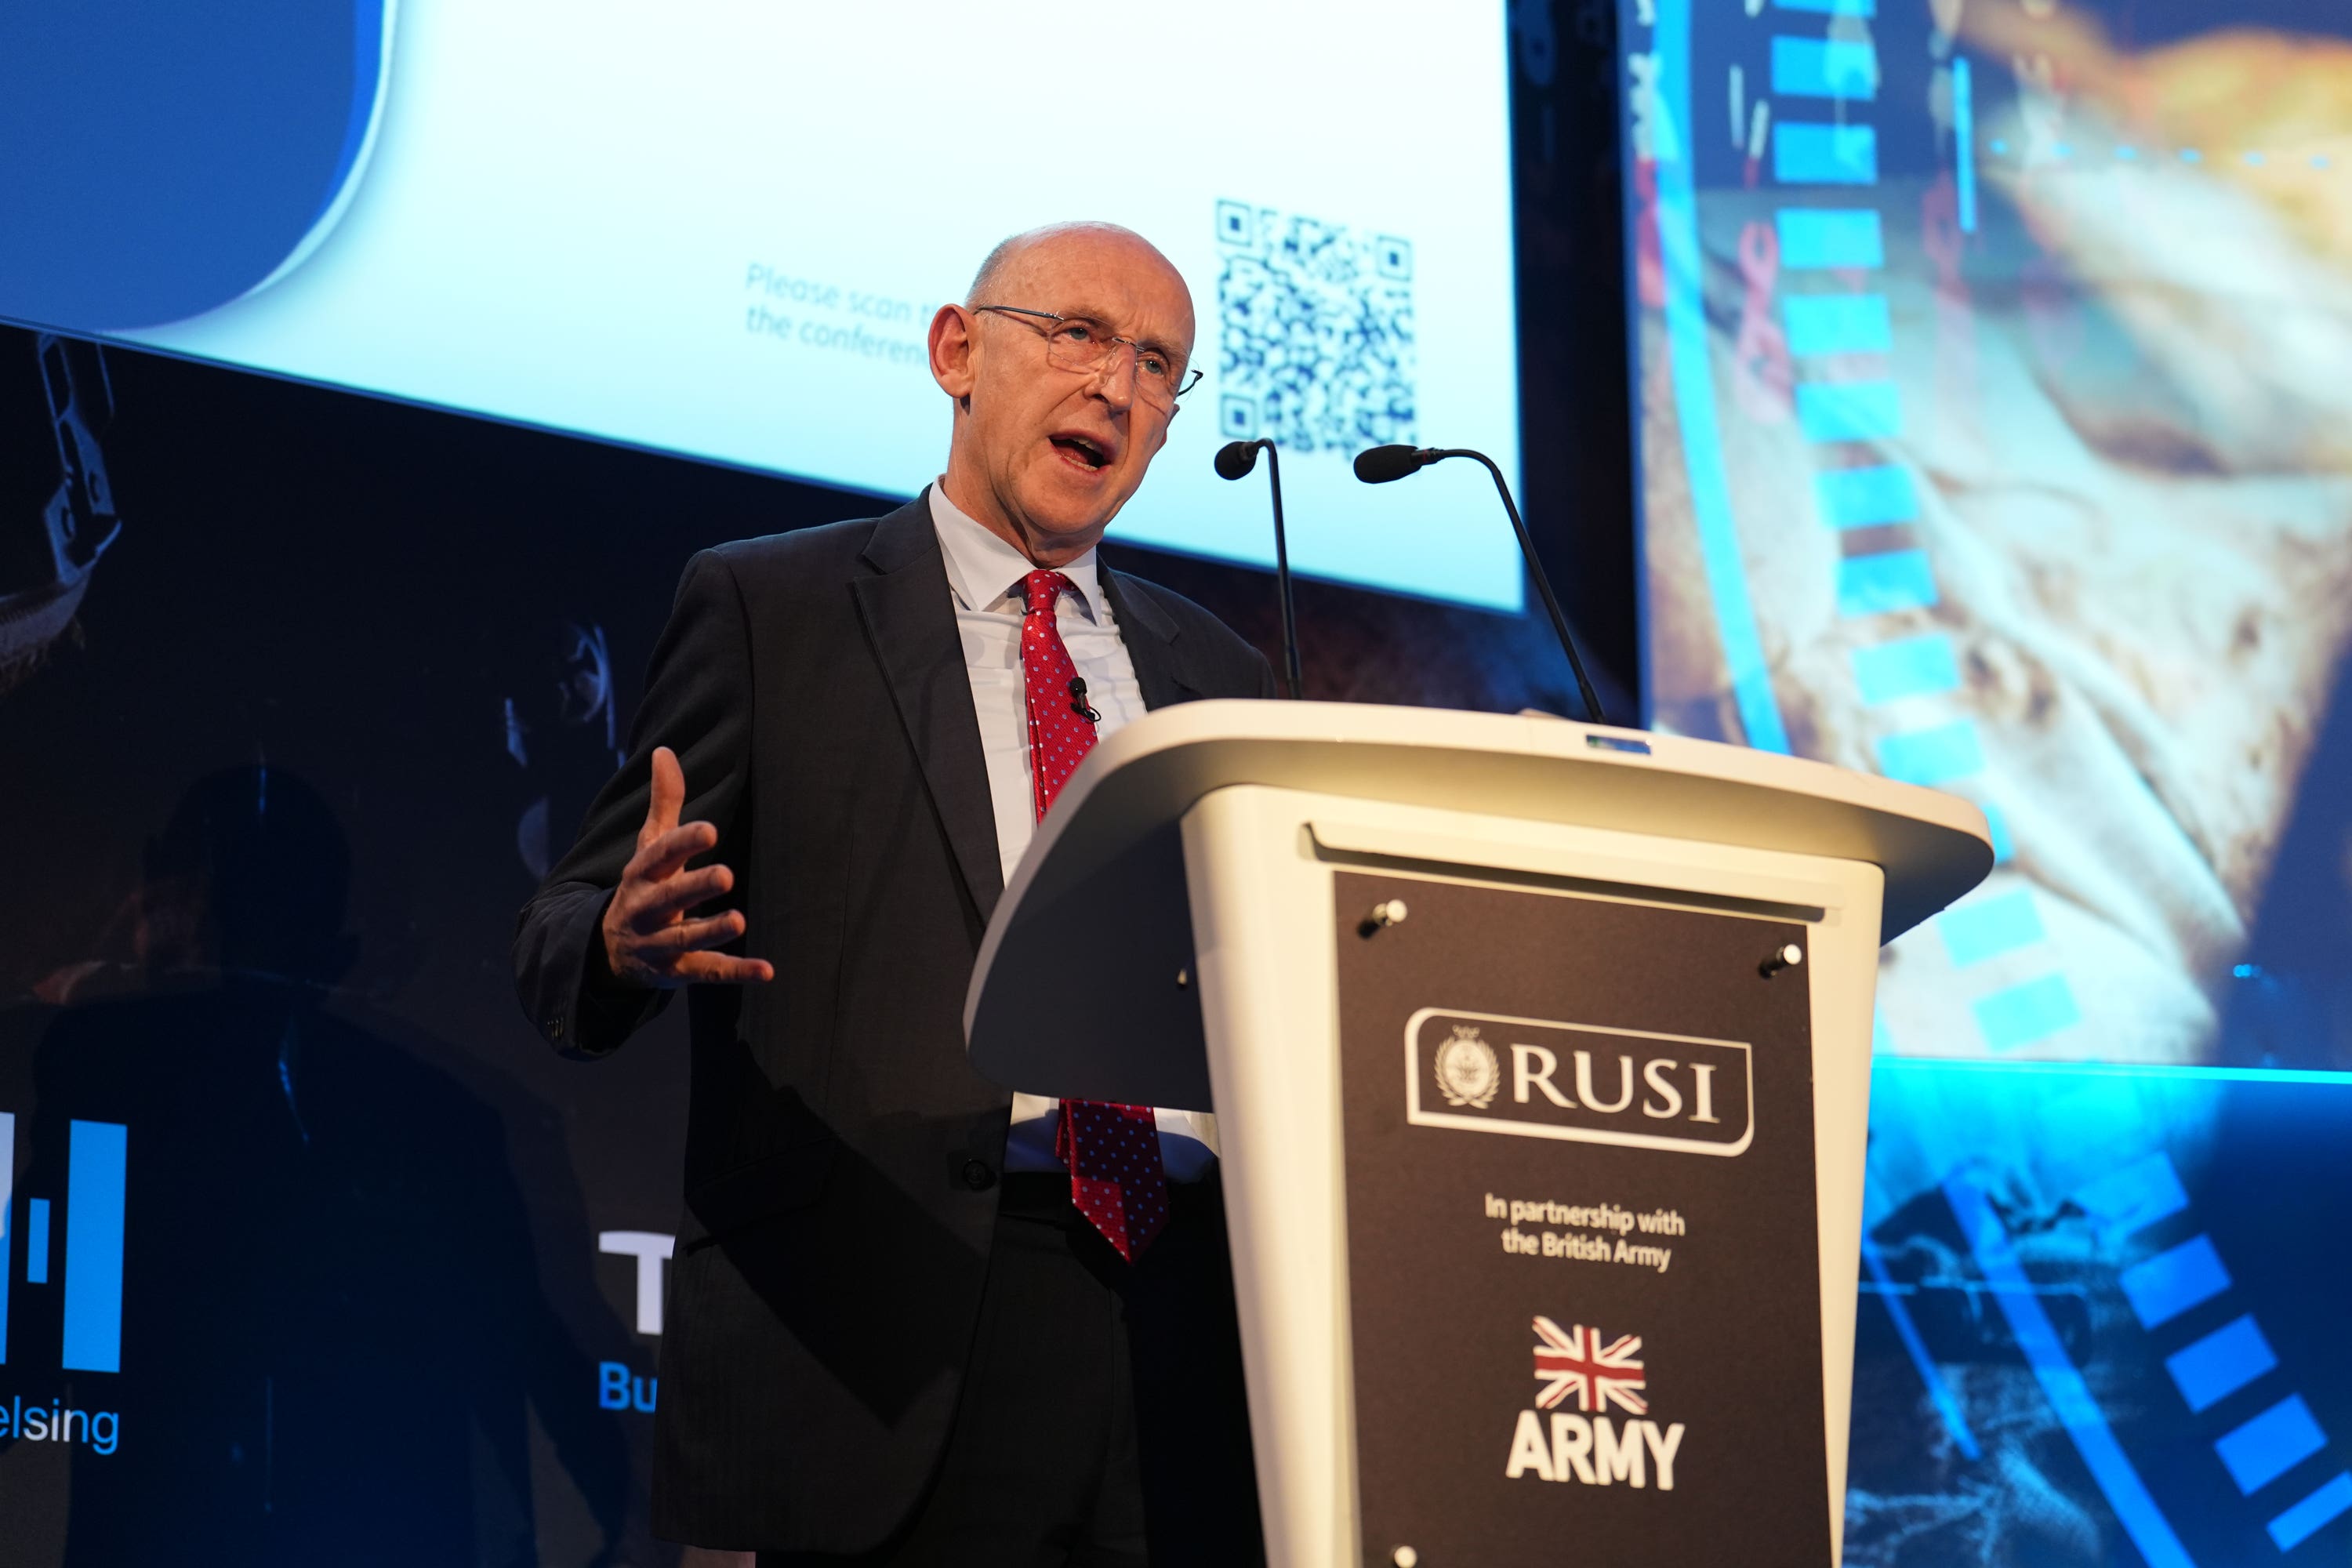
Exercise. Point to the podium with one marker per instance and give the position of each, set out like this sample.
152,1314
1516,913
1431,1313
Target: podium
1540,1059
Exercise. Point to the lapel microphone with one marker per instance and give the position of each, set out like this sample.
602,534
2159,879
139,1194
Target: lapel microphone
1078,700
1235,459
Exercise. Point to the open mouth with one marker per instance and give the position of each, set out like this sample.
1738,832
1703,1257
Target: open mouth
1079,448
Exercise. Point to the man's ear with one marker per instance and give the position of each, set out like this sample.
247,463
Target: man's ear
953,352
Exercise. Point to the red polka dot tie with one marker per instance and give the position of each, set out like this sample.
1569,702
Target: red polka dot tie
1113,1151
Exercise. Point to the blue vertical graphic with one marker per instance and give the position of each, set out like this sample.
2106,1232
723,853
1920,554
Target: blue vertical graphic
97,1163
1812,237
2259,1451
2132,1199
1694,383
1807,153
1964,141
2162,1288
2003,922
1818,68
2220,1363
1838,324
1866,498
8,1207
36,1242
2026,1013
2295,1526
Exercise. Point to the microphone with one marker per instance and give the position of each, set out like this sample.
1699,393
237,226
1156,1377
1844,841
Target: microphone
1380,464
1235,459
1078,700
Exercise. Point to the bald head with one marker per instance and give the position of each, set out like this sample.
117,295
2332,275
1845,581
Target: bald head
995,273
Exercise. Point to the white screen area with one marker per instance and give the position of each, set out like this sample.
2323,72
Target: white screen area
721,229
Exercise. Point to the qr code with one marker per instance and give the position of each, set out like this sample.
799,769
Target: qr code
1316,332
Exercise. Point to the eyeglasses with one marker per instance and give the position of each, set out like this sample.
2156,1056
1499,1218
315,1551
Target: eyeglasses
1077,343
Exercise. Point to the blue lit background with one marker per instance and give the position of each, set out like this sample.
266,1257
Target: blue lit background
2101,1317
1979,449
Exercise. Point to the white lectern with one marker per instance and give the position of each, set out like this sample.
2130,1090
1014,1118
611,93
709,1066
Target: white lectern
1540,1055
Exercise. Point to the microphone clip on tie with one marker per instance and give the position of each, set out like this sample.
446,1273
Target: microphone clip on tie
1078,700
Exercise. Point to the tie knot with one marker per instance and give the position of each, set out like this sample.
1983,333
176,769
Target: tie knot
1044,590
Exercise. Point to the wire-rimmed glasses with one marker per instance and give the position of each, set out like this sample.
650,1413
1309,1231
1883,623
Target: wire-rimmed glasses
1084,345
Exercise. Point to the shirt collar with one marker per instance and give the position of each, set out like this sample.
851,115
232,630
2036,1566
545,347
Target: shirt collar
983,570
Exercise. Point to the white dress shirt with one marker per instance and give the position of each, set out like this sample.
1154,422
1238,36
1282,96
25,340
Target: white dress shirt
984,577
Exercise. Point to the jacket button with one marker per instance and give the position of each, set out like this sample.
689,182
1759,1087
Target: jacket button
978,1176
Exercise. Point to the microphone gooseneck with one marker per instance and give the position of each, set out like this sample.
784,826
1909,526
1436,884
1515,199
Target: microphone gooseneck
1380,464
1235,459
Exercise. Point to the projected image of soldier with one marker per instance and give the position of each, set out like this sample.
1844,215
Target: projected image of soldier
315,1324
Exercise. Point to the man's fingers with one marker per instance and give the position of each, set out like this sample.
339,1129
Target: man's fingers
662,947
662,854
691,936
725,969
665,899
668,794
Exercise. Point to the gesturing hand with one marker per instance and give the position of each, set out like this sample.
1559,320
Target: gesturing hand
648,940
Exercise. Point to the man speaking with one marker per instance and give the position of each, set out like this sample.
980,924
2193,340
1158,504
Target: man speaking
915,1318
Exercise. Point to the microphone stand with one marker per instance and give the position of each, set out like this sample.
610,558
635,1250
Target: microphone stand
1291,676
1535,569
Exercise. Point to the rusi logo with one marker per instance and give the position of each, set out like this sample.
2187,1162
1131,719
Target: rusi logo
1585,1445
1534,1077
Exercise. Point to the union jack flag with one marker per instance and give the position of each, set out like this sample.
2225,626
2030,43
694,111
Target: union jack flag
1574,1361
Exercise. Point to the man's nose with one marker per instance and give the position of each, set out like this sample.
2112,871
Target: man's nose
1115,377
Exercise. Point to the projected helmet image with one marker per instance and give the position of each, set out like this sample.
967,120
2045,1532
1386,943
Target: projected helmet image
1998,437
56,518
564,733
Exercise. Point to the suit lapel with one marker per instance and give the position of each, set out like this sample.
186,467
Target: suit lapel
910,620
1160,668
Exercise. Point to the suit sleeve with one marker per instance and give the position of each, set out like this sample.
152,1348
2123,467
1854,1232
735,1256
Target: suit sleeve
698,702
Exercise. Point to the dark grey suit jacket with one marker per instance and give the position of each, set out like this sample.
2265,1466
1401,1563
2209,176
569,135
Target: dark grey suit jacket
841,1156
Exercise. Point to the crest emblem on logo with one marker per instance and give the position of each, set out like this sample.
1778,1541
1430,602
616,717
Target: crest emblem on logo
1467,1072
